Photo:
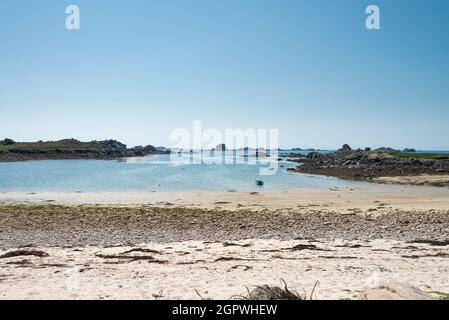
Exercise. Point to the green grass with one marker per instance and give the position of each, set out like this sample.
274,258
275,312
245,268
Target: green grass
68,144
441,295
434,156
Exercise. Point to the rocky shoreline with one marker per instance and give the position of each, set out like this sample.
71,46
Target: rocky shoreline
71,149
54,225
367,165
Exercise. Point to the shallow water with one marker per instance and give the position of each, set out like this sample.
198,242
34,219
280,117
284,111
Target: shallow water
156,173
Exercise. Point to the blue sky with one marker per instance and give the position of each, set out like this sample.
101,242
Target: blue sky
138,69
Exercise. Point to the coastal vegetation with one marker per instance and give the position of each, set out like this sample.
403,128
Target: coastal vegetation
435,156
66,144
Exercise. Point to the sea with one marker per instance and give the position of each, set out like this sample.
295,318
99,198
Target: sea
198,171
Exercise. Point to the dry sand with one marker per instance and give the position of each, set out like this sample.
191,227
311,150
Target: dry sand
170,245
221,270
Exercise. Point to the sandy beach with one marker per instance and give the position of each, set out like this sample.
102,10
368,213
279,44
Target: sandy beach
214,150
362,195
152,245
220,270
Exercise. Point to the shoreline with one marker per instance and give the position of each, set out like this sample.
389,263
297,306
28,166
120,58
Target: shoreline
362,195
61,226
381,165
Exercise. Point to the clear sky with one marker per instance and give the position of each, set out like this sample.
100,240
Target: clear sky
138,69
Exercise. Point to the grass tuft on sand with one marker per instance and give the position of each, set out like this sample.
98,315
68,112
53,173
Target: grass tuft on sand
266,292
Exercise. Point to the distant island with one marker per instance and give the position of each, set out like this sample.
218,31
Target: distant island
300,149
71,149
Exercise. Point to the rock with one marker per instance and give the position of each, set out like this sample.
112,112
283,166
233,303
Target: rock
313,155
162,150
113,145
220,147
261,154
345,149
140,151
392,290
6,142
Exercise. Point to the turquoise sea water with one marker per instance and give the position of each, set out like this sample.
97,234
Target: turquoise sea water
222,171
154,173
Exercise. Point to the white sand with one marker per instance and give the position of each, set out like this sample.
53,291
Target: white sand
78,273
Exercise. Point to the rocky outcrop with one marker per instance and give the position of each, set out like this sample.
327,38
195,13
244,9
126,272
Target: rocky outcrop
314,155
6,142
367,165
345,149
140,151
220,147
113,146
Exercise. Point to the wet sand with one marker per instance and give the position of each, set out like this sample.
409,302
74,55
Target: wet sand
364,195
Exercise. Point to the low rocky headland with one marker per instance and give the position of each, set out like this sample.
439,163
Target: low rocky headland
376,165
71,149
